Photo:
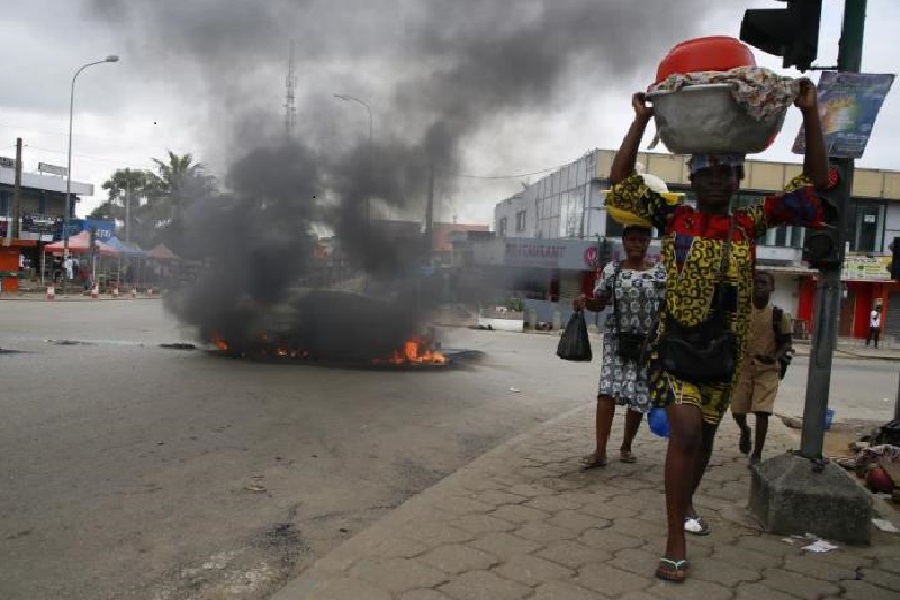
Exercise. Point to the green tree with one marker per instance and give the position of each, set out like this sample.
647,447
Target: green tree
119,186
177,184
159,200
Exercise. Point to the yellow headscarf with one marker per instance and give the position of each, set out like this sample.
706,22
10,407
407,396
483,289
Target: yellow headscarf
656,184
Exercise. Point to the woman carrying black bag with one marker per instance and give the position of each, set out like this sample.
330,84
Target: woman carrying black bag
634,288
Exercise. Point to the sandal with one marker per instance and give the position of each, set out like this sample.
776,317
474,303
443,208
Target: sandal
627,457
672,570
696,525
592,462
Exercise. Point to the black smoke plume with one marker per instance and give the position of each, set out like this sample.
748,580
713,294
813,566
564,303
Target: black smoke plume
436,74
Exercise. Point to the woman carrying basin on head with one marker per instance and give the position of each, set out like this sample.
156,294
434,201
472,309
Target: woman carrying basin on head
708,255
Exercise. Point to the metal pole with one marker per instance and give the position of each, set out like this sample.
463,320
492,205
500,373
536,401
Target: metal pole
897,401
68,207
127,205
828,291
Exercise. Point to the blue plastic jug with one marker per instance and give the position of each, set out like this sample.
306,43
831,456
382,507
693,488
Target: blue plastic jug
659,421
829,417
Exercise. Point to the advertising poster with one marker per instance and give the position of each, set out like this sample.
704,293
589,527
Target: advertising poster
848,106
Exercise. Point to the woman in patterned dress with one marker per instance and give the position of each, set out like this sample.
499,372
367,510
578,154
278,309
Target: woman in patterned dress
693,248
637,286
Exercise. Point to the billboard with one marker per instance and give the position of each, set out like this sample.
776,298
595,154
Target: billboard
848,106
866,268
41,228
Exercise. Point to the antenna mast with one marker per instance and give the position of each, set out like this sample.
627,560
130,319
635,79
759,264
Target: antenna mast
290,105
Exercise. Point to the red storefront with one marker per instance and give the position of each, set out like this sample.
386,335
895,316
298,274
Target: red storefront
865,285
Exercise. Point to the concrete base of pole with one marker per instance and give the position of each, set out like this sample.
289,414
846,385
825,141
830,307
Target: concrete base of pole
790,498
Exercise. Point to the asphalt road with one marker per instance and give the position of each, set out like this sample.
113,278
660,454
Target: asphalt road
133,471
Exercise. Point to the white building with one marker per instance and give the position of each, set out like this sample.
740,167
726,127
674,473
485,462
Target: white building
566,209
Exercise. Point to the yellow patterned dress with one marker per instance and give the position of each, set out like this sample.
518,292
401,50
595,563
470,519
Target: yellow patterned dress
692,253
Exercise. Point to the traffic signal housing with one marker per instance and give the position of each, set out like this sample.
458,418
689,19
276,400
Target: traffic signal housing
791,32
825,248
895,259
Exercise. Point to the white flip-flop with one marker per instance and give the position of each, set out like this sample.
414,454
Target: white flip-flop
696,526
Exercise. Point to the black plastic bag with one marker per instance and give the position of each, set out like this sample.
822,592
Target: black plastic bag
574,344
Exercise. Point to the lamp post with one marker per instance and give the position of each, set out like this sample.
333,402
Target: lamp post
348,98
68,209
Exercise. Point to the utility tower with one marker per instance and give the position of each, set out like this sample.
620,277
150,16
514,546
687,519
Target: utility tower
290,104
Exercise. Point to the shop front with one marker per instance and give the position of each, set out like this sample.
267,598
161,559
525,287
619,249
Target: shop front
546,275
865,285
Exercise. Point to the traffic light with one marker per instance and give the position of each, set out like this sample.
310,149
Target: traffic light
895,259
824,248
791,32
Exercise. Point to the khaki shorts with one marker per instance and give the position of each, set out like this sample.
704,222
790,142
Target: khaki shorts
756,388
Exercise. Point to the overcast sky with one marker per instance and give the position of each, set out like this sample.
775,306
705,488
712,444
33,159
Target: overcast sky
207,77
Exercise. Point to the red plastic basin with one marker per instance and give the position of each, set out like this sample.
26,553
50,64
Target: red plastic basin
714,53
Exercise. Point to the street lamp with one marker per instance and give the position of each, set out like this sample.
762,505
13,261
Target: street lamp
65,233
348,98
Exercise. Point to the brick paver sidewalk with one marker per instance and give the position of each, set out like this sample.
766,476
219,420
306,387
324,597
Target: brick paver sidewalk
525,522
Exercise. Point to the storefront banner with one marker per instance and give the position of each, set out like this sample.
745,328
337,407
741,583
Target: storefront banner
571,255
865,268
38,227
848,106
574,255
105,229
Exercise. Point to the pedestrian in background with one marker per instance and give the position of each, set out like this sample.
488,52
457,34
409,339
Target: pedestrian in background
874,327
768,346
634,287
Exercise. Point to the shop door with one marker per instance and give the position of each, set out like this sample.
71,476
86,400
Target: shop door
891,323
848,310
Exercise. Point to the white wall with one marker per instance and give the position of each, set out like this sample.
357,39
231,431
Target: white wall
787,293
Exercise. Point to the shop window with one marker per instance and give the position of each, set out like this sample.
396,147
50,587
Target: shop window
867,229
520,221
4,204
501,227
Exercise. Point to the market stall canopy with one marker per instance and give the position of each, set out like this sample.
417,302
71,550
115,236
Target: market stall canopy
125,250
80,244
161,252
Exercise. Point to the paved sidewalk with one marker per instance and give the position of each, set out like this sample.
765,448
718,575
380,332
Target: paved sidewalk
525,522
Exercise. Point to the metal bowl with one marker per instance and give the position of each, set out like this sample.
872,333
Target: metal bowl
706,119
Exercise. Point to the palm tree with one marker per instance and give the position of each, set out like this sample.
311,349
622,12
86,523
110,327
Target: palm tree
158,200
176,185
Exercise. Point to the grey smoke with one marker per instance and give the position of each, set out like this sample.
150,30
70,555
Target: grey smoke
437,73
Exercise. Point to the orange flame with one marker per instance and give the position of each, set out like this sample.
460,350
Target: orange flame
415,351
216,340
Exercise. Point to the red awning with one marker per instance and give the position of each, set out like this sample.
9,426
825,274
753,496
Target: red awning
161,252
80,244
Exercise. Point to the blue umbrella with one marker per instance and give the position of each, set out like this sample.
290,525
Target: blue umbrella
123,249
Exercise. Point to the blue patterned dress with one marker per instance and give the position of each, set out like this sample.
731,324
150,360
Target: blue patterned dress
638,294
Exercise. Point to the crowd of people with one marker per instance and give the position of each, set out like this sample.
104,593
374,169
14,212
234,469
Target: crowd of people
696,333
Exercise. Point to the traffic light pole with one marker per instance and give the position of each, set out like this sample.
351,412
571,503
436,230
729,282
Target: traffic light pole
828,291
